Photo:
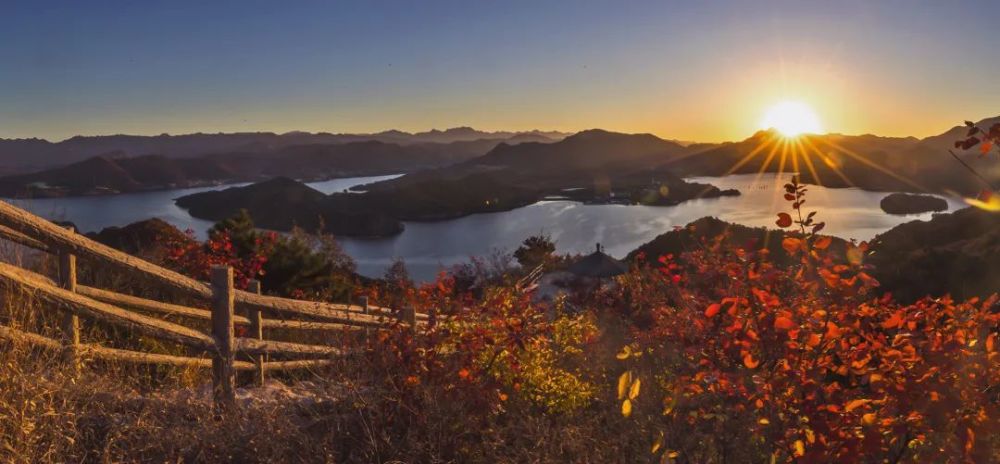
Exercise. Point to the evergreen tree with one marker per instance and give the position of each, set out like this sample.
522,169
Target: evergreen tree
535,250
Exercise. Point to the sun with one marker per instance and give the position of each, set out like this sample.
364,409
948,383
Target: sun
791,118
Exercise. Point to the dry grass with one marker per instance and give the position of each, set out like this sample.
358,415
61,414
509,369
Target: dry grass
107,415
348,413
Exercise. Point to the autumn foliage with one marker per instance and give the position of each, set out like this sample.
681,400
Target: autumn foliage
723,353
756,362
727,357
986,139
196,259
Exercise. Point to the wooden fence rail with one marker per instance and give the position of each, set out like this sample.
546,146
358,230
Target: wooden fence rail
80,305
222,345
55,237
153,306
90,350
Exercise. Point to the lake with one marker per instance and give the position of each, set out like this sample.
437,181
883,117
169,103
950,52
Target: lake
575,227
94,213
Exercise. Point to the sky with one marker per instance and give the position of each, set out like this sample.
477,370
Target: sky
698,71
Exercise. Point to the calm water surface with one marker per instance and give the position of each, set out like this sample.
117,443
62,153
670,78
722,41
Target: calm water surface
95,213
426,247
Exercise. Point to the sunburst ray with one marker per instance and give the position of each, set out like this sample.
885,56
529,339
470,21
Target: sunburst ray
867,162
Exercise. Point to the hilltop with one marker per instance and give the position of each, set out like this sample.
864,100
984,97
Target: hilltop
956,253
282,203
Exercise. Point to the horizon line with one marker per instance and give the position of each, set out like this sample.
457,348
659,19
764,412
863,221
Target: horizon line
433,129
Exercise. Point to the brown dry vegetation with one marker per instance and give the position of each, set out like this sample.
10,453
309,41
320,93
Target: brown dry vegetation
355,411
118,413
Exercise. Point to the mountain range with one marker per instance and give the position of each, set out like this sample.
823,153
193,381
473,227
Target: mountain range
534,161
117,173
27,155
866,161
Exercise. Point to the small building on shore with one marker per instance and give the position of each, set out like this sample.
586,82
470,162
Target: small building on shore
597,265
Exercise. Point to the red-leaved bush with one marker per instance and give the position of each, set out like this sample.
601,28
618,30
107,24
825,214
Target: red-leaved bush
196,259
755,362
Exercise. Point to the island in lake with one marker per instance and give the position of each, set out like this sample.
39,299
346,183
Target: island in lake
906,203
592,166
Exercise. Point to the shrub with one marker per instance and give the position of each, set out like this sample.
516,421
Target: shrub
757,362
535,250
297,264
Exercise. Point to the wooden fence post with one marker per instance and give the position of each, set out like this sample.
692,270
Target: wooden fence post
410,317
223,373
257,331
366,310
71,322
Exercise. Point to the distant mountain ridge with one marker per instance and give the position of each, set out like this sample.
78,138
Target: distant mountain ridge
465,133
116,173
107,175
581,157
532,159
25,155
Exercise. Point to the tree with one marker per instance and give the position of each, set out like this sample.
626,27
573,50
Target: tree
397,284
240,230
297,265
397,275
535,250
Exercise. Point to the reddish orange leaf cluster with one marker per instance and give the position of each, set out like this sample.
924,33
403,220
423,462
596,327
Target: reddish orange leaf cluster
822,368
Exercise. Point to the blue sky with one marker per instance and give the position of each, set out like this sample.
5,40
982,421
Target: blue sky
689,70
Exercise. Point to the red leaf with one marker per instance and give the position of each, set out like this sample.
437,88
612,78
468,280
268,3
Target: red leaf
784,220
712,310
783,323
896,320
791,245
855,404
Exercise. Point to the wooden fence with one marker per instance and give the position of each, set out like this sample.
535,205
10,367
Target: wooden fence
228,307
